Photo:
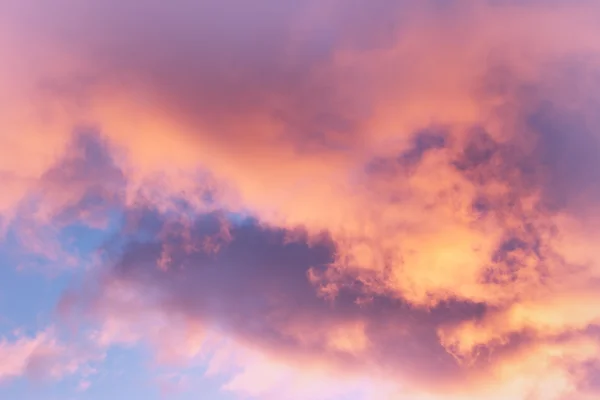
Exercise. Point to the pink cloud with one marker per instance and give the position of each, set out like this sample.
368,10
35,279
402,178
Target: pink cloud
423,180
42,357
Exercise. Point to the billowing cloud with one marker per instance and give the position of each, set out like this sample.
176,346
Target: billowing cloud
384,188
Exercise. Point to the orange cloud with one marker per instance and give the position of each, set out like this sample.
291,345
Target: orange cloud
439,159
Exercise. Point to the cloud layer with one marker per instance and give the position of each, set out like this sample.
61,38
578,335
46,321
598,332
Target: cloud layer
383,189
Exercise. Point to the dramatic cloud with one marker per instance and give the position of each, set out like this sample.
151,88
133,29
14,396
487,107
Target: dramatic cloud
403,191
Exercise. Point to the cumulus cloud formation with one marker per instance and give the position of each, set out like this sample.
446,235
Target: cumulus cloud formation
407,192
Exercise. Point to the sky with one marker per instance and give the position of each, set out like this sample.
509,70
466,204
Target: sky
299,199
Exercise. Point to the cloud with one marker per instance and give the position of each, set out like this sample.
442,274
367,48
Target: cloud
42,357
81,189
421,180
169,289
